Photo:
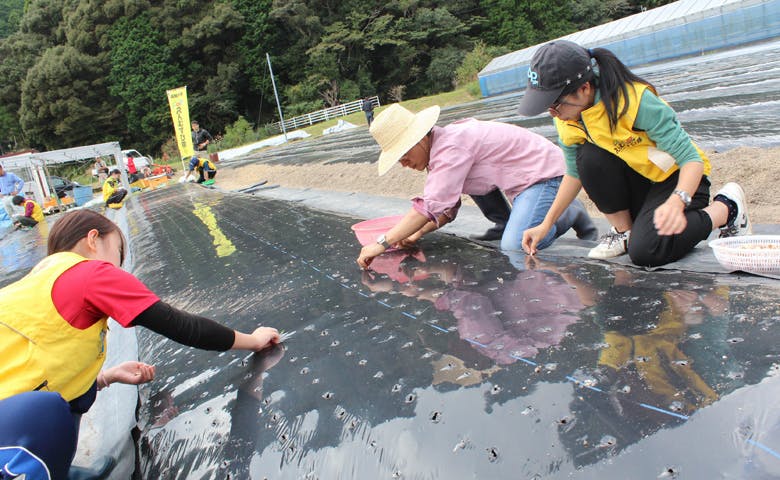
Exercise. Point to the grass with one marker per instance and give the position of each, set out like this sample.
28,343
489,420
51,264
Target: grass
455,97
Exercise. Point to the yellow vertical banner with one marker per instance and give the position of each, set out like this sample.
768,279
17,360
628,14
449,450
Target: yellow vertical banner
180,112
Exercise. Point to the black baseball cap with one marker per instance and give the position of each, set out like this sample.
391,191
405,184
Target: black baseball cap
555,67
116,170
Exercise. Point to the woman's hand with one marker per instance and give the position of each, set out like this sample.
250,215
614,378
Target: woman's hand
533,236
411,240
368,253
131,373
669,218
262,337
265,337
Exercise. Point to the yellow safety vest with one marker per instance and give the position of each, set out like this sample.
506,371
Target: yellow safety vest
109,187
206,161
37,213
632,146
40,350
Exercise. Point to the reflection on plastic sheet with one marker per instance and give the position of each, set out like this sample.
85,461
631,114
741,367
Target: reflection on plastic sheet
442,363
20,250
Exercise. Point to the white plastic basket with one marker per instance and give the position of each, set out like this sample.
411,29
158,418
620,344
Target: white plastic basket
749,253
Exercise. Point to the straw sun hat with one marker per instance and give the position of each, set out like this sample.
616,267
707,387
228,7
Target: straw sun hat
397,130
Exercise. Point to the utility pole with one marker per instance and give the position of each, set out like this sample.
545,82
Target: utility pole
273,82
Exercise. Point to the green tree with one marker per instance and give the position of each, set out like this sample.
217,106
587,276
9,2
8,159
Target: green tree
141,71
519,24
237,134
440,74
64,101
475,60
257,38
38,29
10,15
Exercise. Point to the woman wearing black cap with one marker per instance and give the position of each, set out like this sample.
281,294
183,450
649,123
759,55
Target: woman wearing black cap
625,146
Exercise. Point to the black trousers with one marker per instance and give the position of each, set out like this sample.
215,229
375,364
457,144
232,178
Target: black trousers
117,196
202,175
27,221
494,207
614,186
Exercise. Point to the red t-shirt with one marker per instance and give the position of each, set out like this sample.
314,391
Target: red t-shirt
91,290
131,166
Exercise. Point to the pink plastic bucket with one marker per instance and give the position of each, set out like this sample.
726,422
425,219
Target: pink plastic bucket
368,230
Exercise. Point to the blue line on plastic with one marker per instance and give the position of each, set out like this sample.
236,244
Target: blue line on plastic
476,343
529,362
661,410
328,276
589,387
363,294
383,303
317,269
439,328
345,286
409,315
763,447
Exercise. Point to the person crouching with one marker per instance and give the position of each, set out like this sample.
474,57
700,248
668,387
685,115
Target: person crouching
112,191
33,213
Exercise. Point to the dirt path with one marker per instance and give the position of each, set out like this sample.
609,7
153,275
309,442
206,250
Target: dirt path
757,170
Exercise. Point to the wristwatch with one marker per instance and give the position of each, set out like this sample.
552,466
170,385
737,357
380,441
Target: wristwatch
382,241
686,199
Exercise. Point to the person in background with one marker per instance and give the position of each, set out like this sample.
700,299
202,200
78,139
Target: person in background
200,137
132,171
33,213
101,169
52,340
473,157
113,193
205,167
10,185
368,109
627,149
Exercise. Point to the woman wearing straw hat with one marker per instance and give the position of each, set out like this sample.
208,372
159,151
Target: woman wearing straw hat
472,157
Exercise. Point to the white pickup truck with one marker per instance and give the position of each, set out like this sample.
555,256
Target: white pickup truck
140,161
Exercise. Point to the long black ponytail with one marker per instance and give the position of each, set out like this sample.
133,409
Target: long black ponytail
614,77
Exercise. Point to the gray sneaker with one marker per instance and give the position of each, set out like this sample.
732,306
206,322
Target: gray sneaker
741,224
612,244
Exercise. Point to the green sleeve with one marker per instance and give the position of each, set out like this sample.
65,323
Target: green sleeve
660,122
570,157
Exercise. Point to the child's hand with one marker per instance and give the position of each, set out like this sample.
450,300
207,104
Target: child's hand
131,373
265,337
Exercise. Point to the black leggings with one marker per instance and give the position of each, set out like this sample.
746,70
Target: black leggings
117,196
614,186
27,221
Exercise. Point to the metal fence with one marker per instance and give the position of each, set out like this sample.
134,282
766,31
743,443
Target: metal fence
321,115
